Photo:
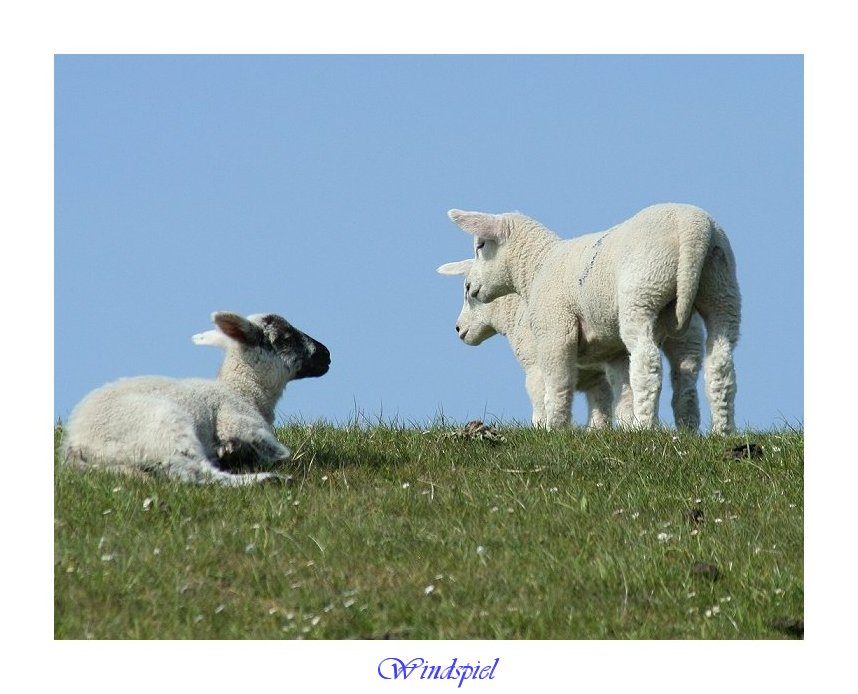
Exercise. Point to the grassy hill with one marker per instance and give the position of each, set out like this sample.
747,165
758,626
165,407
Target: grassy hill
398,532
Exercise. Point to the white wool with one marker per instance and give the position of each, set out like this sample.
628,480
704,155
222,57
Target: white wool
596,297
508,316
184,427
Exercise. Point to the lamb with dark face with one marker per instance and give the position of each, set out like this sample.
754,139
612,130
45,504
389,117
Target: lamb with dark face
306,356
193,428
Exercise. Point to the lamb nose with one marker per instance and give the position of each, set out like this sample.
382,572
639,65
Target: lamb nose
457,328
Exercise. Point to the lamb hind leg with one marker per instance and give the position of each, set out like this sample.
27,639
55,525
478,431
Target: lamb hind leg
685,355
198,470
644,374
719,302
719,373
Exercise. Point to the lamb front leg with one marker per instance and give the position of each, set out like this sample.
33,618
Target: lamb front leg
685,355
617,372
535,385
560,374
245,443
600,398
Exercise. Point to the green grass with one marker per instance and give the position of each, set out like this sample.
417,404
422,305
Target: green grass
394,532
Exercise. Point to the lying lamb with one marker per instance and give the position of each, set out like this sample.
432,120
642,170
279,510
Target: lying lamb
597,297
508,316
192,428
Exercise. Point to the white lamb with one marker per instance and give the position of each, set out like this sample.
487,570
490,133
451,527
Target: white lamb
595,298
508,316
198,429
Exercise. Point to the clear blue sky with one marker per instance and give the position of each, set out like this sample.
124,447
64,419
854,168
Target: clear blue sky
317,187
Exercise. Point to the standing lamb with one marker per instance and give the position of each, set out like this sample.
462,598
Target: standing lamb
592,298
508,316
192,428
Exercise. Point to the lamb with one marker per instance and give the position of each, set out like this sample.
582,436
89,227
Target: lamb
508,316
198,430
597,297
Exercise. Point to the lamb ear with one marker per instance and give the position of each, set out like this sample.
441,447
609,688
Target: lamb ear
460,267
237,327
213,338
482,224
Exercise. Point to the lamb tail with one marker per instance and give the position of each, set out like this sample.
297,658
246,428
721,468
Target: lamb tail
694,241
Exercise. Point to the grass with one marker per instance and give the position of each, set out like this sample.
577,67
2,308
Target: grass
397,532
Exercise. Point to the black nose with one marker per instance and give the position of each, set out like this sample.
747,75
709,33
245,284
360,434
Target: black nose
318,363
322,353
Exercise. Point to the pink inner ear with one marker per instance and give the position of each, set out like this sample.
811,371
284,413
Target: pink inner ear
482,224
231,327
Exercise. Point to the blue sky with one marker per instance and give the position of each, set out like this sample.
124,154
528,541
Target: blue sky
317,187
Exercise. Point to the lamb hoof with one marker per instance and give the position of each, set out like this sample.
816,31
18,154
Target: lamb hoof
227,449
